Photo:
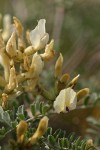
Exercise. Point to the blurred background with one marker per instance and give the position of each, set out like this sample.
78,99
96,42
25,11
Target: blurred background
75,27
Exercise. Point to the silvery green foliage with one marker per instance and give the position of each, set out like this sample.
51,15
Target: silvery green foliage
9,119
51,140
58,140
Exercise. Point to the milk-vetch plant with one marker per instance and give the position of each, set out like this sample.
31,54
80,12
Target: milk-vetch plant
23,57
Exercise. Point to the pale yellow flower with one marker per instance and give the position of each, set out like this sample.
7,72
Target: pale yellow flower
37,64
65,101
38,36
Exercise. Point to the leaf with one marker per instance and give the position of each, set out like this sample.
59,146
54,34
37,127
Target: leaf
20,109
2,132
5,117
77,142
67,143
20,113
57,133
33,109
41,108
83,144
62,142
71,137
49,131
45,109
51,139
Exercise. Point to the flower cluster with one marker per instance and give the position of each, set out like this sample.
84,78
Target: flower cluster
23,66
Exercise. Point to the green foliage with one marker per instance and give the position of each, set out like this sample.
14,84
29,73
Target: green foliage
58,140
51,140
38,110
20,113
94,129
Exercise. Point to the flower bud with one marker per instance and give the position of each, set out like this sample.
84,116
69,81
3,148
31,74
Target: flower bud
12,80
42,127
49,52
4,100
18,26
74,81
11,45
21,129
19,30
64,78
82,93
58,66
